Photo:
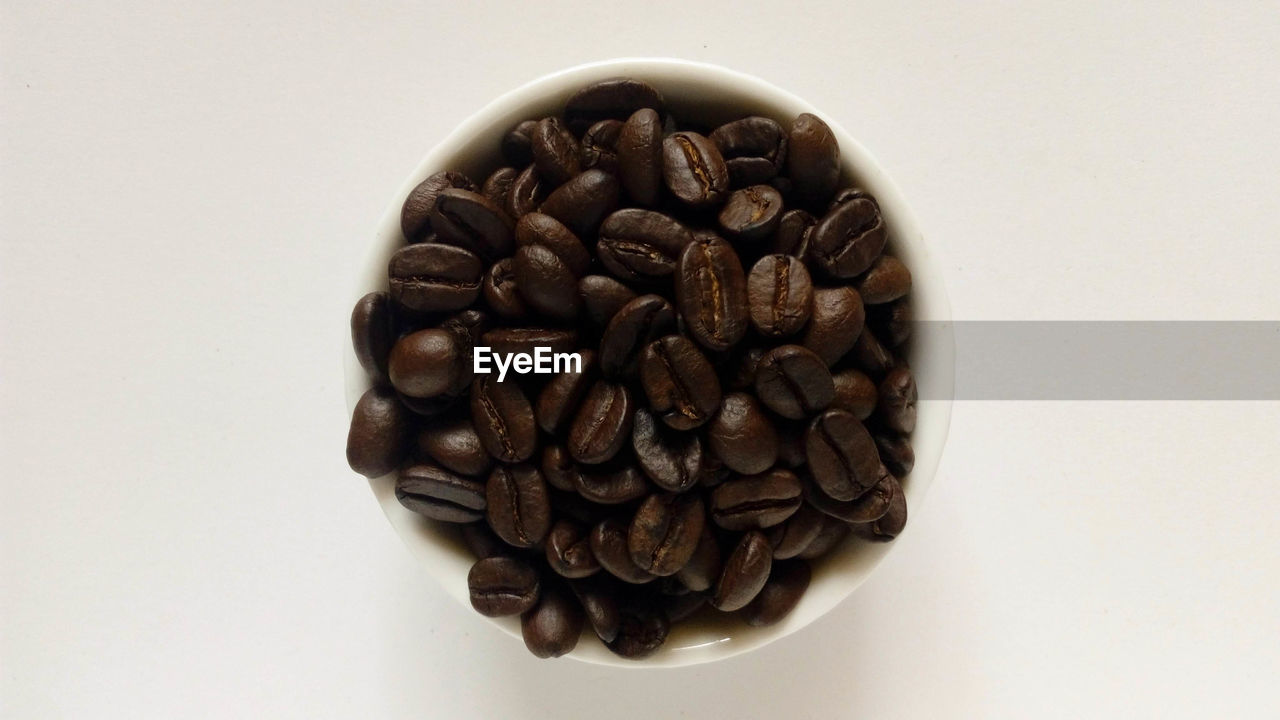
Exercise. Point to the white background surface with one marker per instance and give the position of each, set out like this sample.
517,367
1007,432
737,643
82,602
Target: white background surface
183,191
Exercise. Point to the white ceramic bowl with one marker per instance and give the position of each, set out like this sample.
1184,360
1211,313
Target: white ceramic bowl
708,94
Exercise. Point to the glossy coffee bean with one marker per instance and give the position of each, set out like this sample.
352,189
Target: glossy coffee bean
471,221
539,229
848,239
603,423
832,533
898,396
885,281
518,507
527,193
755,502
780,595
373,334
679,382
456,446
610,487
497,186
378,438
583,202
558,468
711,293
871,356
870,506
563,393
553,626
501,290
555,152
794,382
842,455
640,157
600,146
503,586
742,369
892,322
526,340
855,392
665,532
602,296
481,542
598,598
754,149
704,566
693,170
742,436
813,159
890,525
837,320
631,329
568,551
547,286
745,572
780,295
641,245
426,363
672,461
792,235
613,99
609,544
751,214
796,534
640,633
434,278
517,144
440,495
431,408
415,215
503,418
896,453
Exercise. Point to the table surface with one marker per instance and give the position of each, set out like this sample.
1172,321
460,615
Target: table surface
183,188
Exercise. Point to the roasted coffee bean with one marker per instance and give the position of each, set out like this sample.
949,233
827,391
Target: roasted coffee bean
378,438
885,281
598,598
679,382
855,392
665,532
813,160
558,468
609,99
526,340
640,157
430,408
837,319
745,572
539,229
751,214
631,329
472,222
526,193
672,461
704,566
583,202
832,533
456,446
754,149
498,185
481,542
795,535
426,363
415,215
600,146
842,455
602,425
755,502
641,245
501,290
891,523
846,196
848,239
467,327
743,367
518,507
869,507
373,334
693,169
555,152
780,595
792,235
679,608
780,295
517,144
440,495
892,321
569,551
609,545
794,382
898,396
503,419
711,293
713,472
561,396
552,627
640,633
602,296
434,278
896,453
503,586
610,487
545,283
870,356
742,436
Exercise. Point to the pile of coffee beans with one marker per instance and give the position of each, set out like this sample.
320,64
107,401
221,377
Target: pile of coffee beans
744,402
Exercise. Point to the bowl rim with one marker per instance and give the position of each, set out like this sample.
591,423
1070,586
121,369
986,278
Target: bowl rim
929,302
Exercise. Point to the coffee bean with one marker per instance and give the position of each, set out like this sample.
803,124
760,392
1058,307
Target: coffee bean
378,438
545,283
430,408
743,367
793,233
640,634
602,425
467,328
552,627
373,334
609,99
611,487
870,356
600,605
640,157
848,239
704,566
754,149
885,281
501,290
751,214
742,436
796,534
481,542
898,396
755,502
896,453
503,586
527,192
539,229
561,396
609,544
693,169
892,321
832,533
869,507
456,446
641,245
503,419
472,222
558,468
780,595
569,551
434,278
891,523
846,196
679,382
440,495
665,532
518,507
855,392
673,462
526,340
711,293
600,146
837,319
555,152
780,295
631,329
713,472
813,159
426,363
602,296
583,202
842,455
415,215
794,382
745,572
517,144
498,185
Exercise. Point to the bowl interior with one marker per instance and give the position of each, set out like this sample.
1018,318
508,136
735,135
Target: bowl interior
706,95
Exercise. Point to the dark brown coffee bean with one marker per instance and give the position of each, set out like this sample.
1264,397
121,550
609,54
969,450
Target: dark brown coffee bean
501,290
602,425
415,216
426,363
558,468
891,523
600,146
631,329
679,608
745,572
517,144
481,541
555,152
673,462
503,419
855,392
870,356
641,245
794,382
609,544
503,586
467,328
896,453
885,281
713,472
780,595
456,446
693,170
665,532
640,157
898,396
780,295
553,626
842,455
518,507
526,340
602,297
751,214
869,507
609,99
561,396
742,369
472,222
711,293
434,278
539,229
813,160
846,196
372,334
430,408
440,495
498,185
795,535
832,533
569,551
583,202
611,487
598,598
754,149
848,239
526,193
755,502
679,382
378,439
545,283
792,235
742,436
640,634
704,566
892,321
837,319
